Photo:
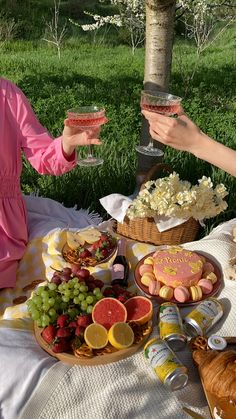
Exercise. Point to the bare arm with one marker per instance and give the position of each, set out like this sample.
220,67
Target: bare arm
182,134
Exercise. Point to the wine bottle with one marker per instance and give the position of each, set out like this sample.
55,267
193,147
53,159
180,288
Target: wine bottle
120,266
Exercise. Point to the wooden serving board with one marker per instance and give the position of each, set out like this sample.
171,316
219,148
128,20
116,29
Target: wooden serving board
95,360
220,404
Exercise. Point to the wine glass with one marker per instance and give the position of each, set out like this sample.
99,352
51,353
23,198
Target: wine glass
159,102
87,117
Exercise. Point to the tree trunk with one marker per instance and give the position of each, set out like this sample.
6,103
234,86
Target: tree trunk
158,57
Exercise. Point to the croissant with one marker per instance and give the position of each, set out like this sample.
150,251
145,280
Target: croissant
218,371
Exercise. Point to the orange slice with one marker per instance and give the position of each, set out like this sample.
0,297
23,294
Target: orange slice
96,336
121,335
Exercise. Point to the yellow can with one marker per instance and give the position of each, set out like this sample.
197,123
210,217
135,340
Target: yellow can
170,371
203,317
171,326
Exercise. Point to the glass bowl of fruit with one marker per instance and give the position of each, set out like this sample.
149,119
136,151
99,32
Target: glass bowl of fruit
89,247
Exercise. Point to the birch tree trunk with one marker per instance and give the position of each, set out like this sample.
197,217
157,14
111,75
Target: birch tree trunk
160,16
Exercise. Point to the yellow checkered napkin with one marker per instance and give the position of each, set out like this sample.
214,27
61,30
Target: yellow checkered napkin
43,255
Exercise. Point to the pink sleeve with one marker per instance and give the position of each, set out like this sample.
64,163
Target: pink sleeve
43,152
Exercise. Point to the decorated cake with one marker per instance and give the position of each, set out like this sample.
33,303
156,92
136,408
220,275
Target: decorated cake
177,267
177,274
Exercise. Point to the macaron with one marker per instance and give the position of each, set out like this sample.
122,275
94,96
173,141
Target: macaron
208,267
146,278
206,285
211,276
203,259
181,294
154,287
149,261
166,292
195,292
145,268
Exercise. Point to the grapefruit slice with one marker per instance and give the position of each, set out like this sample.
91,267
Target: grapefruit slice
139,309
121,335
108,311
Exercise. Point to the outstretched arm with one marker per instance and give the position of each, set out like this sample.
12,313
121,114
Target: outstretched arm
182,134
48,155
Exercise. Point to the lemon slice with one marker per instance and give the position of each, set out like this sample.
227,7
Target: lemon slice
121,335
91,235
96,336
74,240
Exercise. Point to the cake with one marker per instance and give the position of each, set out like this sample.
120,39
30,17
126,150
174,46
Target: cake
176,267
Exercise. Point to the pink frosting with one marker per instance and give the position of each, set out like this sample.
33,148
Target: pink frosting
206,285
177,266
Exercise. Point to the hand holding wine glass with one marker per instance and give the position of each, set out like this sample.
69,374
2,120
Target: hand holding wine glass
157,103
82,127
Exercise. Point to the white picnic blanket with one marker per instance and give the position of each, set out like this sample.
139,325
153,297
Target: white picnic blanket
34,385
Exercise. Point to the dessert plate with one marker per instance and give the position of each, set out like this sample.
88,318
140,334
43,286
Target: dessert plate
86,356
159,300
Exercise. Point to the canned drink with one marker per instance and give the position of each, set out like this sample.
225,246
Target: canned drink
171,326
170,371
203,317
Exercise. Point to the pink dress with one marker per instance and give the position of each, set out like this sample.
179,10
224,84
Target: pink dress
20,131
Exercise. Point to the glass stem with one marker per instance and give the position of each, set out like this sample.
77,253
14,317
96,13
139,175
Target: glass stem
90,154
150,144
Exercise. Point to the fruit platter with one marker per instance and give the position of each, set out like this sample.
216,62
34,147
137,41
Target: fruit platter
88,247
178,275
79,320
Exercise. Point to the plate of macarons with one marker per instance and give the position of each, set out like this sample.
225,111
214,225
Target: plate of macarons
178,275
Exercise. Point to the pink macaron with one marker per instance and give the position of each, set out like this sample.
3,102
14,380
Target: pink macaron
206,285
181,294
145,268
154,287
208,267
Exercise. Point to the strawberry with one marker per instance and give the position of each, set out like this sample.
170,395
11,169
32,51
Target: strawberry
63,332
105,253
62,320
103,237
122,298
84,253
84,320
95,245
79,331
108,292
72,324
60,345
49,333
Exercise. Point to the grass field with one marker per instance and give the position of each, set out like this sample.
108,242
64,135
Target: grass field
111,76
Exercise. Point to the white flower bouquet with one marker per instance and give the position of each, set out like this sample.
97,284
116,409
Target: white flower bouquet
172,197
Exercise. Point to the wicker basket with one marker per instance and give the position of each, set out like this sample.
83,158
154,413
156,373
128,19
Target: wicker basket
145,229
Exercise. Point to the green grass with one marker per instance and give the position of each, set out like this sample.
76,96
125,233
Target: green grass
111,76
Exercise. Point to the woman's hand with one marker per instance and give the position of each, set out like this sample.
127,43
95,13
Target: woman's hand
180,133
74,136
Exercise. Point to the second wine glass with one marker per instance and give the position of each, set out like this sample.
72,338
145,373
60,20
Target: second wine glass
87,117
158,102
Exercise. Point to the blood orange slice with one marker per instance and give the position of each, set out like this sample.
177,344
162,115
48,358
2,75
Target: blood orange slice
139,309
109,311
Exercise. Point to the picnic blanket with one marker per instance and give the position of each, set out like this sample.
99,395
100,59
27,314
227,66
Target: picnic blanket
35,385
